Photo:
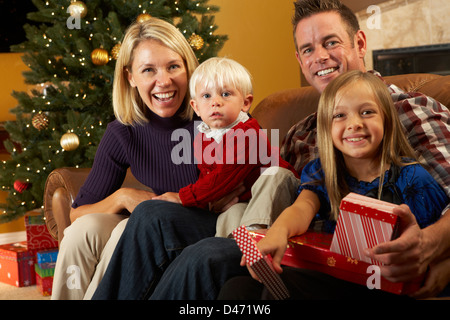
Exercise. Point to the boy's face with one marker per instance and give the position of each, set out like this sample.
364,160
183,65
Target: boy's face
219,107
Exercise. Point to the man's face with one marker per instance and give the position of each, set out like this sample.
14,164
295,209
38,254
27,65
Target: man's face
325,49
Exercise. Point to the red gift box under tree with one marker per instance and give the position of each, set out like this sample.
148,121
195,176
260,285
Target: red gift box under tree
38,236
17,264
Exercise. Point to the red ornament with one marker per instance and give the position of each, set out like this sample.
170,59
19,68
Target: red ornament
20,186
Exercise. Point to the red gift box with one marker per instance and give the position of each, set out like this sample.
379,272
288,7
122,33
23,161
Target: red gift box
45,269
38,236
311,250
363,223
44,285
17,264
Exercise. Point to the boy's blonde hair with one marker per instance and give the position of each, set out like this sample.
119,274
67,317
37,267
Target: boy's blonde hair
127,103
394,145
221,72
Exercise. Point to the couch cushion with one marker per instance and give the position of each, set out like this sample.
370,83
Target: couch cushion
282,109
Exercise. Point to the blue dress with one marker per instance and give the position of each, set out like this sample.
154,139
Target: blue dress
416,187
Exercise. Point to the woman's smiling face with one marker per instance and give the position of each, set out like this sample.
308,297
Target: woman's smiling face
160,76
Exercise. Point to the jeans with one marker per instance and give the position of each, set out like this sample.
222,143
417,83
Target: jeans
156,233
199,272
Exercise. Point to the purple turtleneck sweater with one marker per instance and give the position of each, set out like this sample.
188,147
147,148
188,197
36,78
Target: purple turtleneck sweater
147,150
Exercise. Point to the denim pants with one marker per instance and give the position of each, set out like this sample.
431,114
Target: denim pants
200,271
156,233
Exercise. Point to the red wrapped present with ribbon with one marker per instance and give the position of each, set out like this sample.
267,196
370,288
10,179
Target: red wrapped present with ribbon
311,250
38,236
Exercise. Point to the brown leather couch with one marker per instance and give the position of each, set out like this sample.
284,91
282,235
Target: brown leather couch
280,110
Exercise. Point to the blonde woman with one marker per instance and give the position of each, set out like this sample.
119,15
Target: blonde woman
151,101
362,149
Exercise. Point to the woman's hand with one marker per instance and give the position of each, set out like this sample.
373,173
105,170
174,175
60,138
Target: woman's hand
131,197
169,196
123,198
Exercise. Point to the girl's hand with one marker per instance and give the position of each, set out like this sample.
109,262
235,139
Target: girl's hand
273,245
294,220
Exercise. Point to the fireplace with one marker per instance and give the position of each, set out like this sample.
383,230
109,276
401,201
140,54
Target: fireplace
423,59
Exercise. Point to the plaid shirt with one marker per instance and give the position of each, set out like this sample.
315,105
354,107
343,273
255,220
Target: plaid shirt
426,123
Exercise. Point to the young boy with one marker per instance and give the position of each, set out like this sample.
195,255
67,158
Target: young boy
231,147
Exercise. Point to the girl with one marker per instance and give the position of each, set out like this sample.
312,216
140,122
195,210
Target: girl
362,149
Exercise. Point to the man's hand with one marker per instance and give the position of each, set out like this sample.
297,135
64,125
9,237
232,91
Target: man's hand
436,280
404,258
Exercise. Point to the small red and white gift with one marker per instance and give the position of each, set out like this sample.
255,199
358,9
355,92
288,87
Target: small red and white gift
17,264
38,236
363,223
260,264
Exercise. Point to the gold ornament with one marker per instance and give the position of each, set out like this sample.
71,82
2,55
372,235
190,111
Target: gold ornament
143,17
40,121
69,141
115,51
78,8
196,41
100,57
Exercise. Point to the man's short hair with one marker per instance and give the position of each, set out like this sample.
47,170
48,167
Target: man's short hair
307,8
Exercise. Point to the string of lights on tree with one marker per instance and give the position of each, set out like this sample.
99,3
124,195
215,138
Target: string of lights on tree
60,122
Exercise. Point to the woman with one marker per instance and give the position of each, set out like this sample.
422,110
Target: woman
150,100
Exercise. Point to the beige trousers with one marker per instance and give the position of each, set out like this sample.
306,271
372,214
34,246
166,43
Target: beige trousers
84,254
274,191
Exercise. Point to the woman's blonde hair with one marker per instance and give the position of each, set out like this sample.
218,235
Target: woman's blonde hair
129,107
394,145
221,72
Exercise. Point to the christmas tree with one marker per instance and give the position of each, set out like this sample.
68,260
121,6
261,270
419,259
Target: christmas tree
71,55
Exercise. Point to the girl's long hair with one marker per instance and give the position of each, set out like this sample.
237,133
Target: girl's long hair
393,148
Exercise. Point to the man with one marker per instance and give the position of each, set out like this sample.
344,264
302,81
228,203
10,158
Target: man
323,52
328,42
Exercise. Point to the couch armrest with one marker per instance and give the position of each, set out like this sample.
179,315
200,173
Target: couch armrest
61,189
